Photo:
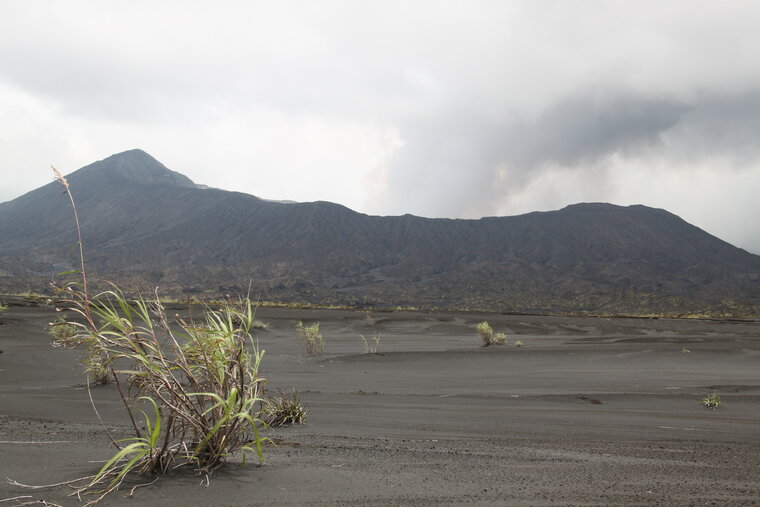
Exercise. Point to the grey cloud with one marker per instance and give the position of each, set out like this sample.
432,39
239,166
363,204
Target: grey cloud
719,124
470,165
584,128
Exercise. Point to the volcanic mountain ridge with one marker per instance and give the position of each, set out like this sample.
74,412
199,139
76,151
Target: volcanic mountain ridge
145,226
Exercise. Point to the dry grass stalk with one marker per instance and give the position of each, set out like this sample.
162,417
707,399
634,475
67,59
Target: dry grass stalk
371,346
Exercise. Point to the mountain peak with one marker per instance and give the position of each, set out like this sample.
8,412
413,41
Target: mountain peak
137,166
147,226
591,206
603,207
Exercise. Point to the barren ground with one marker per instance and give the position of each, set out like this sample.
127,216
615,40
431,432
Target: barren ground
589,411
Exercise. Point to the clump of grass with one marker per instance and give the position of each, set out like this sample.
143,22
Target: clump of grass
70,335
259,325
486,332
712,401
3,307
256,324
283,410
62,330
371,346
201,381
488,336
311,337
518,343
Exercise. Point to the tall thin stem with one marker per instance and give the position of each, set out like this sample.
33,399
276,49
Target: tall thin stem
59,176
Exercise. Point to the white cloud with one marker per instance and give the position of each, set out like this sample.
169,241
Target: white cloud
395,107
33,135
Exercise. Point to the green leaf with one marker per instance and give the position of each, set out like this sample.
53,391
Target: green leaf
135,447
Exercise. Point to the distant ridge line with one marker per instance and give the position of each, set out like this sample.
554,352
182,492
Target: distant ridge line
146,226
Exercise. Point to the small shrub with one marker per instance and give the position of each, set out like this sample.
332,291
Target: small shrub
314,342
712,401
488,336
3,308
96,360
62,329
283,410
259,325
372,346
518,343
486,332
201,380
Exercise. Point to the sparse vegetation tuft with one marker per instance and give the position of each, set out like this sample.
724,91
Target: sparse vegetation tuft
488,336
239,304
518,343
486,332
259,325
712,401
62,330
200,382
311,337
283,410
371,346
70,335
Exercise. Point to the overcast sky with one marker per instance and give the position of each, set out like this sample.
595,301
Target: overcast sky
435,108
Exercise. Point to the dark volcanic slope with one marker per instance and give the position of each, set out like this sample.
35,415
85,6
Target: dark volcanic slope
145,225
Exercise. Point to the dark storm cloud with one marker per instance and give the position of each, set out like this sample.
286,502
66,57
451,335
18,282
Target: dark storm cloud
584,128
720,124
472,165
